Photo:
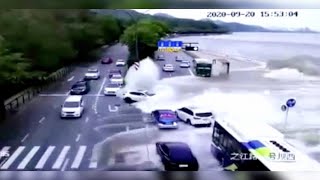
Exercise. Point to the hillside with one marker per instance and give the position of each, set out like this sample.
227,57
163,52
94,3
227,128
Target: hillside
240,27
176,25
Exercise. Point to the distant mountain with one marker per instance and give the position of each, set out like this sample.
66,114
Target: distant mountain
239,27
121,13
164,15
176,25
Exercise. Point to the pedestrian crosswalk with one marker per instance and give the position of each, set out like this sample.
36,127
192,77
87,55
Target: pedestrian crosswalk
46,158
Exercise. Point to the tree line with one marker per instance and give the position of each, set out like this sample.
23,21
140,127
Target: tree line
35,43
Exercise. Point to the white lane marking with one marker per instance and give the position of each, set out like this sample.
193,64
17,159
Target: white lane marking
94,107
29,156
13,157
45,157
79,157
61,157
114,109
190,71
70,79
78,137
25,137
93,164
42,119
87,119
65,164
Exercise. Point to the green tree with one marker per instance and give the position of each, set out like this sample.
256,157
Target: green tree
13,70
37,42
148,32
110,27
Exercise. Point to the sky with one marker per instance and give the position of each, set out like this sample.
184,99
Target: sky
306,17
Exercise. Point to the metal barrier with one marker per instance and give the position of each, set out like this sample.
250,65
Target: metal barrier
13,103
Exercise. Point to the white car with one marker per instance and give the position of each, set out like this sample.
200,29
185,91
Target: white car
73,106
111,89
178,58
195,116
168,68
116,79
185,64
120,62
92,73
160,57
136,96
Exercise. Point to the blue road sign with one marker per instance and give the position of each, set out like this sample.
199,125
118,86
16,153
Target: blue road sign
173,43
283,107
160,44
291,102
165,43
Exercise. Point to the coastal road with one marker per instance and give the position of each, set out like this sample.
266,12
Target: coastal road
37,139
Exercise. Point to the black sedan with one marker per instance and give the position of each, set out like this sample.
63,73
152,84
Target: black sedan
177,156
80,88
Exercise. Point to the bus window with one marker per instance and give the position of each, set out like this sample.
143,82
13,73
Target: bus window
216,136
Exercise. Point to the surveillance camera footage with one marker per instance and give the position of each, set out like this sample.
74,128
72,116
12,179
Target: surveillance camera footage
159,90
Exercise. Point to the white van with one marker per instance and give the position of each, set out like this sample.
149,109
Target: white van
73,106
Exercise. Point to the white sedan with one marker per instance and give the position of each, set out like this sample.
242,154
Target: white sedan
92,73
111,89
136,96
120,62
168,68
116,79
185,64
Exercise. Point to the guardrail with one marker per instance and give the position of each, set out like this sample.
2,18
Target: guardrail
13,103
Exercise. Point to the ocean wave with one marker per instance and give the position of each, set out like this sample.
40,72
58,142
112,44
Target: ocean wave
306,65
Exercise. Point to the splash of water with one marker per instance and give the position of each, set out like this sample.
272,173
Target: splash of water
307,65
289,75
145,77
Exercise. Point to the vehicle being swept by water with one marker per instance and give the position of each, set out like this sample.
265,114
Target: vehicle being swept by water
256,146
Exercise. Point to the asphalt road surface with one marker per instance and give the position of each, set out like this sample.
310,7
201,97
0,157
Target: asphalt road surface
37,139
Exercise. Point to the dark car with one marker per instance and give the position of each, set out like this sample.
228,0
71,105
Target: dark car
177,156
106,60
166,119
160,57
80,88
114,71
